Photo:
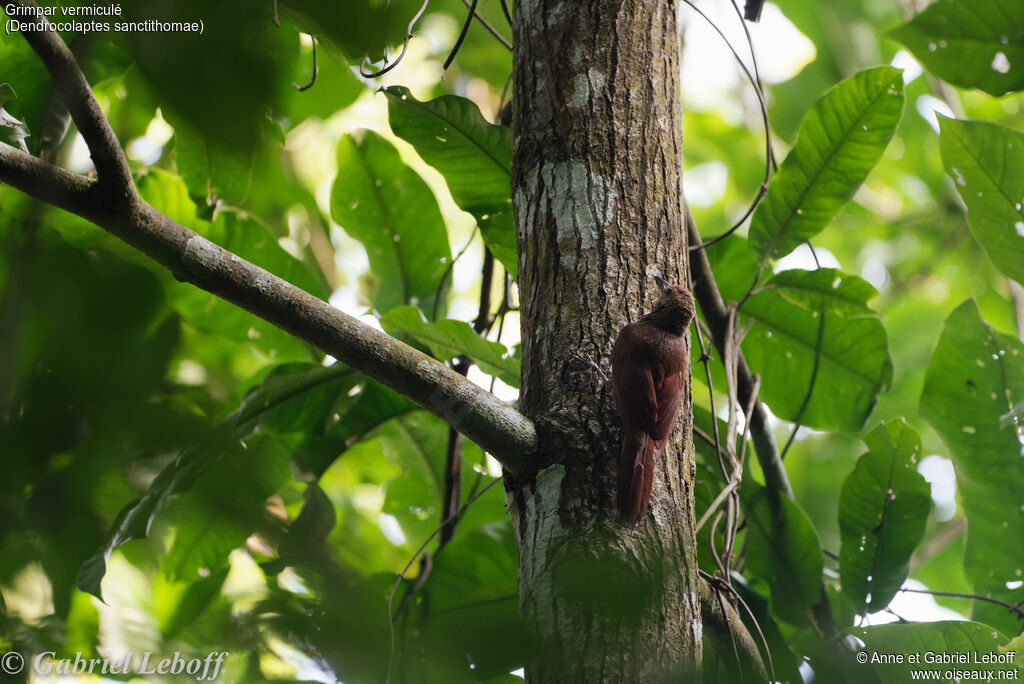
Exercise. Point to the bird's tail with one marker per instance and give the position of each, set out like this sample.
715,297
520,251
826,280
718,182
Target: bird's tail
636,475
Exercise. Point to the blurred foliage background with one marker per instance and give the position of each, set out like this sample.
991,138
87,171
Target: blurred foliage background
224,487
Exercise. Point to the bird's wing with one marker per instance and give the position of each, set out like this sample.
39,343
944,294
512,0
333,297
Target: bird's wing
669,390
633,382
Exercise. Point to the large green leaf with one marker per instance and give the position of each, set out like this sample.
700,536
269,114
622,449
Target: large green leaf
784,551
972,394
815,327
354,28
987,162
222,81
970,43
471,625
211,170
384,204
277,405
957,642
474,155
839,142
449,339
294,398
883,510
224,508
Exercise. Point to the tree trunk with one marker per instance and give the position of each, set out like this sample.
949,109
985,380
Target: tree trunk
597,187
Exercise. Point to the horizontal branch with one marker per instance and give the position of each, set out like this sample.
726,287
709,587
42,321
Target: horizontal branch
497,427
113,203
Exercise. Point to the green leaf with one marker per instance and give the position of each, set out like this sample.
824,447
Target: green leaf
219,81
449,339
951,639
306,539
883,510
472,628
784,551
193,602
135,519
987,162
335,88
354,28
224,508
970,43
364,408
839,142
384,204
473,155
417,442
975,379
816,325
278,404
295,397
211,170
6,94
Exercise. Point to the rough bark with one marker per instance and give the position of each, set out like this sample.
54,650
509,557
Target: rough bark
599,209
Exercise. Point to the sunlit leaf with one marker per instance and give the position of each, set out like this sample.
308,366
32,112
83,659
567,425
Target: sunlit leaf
450,339
245,237
883,509
784,551
815,326
474,155
211,170
970,43
384,204
839,142
945,642
975,379
987,162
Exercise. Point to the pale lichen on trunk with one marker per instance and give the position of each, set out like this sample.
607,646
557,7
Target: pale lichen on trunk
597,185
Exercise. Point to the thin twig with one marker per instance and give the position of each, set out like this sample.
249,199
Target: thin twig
508,15
490,28
705,358
716,313
401,55
304,88
448,271
462,36
1013,608
810,386
755,81
726,491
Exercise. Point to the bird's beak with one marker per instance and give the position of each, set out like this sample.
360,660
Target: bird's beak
662,283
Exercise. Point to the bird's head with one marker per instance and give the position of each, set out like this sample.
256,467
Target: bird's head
676,307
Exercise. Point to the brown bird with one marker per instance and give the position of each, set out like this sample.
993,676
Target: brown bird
649,369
